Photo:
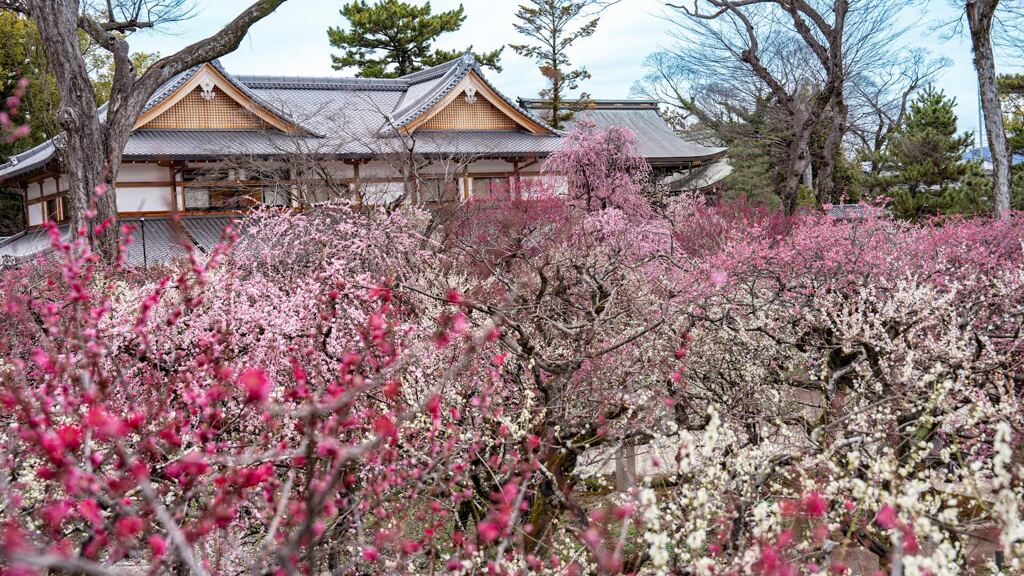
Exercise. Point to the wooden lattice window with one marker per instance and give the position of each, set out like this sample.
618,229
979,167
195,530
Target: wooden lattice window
193,112
461,115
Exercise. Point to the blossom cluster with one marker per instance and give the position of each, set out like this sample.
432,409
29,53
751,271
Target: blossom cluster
339,391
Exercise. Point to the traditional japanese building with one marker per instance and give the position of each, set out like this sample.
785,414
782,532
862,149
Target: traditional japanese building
211,142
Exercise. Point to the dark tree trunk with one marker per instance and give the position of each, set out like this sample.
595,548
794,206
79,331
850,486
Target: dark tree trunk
799,160
92,149
826,191
980,14
84,150
547,506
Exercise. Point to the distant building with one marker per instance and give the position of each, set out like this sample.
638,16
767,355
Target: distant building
209,142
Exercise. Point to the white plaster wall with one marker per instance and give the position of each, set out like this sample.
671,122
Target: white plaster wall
144,199
337,170
377,193
49,186
377,169
543,185
35,214
490,166
33,191
143,173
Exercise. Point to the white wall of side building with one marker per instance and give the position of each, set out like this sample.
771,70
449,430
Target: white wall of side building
146,186
50,186
147,172
150,199
34,190
35,214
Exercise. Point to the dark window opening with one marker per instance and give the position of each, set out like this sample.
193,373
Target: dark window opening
438,191
232,189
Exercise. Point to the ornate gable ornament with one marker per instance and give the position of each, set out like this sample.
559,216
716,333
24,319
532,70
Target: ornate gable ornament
473,105
209,100
206,85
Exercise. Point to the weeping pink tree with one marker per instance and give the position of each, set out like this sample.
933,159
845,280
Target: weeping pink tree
602,168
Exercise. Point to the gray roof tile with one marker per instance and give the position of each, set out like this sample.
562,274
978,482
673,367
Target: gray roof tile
356,117
655,138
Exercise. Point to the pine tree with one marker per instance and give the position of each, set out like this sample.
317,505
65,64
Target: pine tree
1011,96
927,159
391,38
553,25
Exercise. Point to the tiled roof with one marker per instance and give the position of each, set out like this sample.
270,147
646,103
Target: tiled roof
357,117
849,212
156,240
200,144
160,240
27,246
28,160
656,140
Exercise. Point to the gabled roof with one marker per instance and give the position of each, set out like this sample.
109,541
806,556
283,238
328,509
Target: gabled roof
430,89
362,118
181,85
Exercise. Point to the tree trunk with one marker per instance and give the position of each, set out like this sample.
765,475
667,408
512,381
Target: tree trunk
808,179
91,149
547,505
83,151
826,190
980,14
625,467
799,160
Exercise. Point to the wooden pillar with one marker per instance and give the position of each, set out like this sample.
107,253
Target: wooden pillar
516,182
358,185
60,198
184,207
174,187
24,203
42,200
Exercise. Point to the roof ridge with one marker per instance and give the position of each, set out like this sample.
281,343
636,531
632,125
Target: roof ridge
322,82
438,70
452,76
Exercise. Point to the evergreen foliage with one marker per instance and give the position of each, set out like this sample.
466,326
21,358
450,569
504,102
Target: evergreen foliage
1011,92
552,27
925,162
22,56
391,38
101,65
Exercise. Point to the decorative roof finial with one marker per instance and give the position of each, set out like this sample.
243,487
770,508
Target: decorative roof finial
468,58
206,85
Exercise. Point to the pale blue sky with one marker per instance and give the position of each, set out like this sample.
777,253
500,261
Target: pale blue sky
293,41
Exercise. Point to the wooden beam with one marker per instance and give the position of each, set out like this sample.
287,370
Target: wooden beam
60,199
146,184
